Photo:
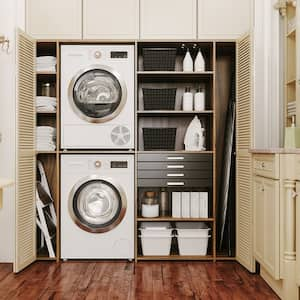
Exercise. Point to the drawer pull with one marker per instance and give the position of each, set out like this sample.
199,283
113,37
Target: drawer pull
175,175
175,167
175,158
262,164
175,183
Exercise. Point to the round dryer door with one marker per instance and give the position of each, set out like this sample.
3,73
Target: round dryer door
97,205
97,94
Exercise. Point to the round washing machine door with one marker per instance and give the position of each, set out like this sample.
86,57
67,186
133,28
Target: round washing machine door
97,204
97,94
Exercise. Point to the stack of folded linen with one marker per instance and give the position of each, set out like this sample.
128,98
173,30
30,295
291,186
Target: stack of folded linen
46,64
45,138
45,104
291,108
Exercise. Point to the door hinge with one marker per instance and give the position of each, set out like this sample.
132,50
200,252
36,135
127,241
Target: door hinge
281,6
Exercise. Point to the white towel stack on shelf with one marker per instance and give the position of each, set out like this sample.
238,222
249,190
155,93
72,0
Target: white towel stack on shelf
291,108
45,104
46,64
45,138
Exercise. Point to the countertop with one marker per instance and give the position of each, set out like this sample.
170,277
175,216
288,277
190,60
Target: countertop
275,151
5,182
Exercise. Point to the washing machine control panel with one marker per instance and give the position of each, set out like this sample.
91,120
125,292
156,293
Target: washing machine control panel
119,164
118,54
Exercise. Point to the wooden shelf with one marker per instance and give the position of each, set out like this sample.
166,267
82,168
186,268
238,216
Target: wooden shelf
174,76
177,152
172,219
175,257
45,152
51,113
229,258
173,112
46,258
174,73
97,152
45,73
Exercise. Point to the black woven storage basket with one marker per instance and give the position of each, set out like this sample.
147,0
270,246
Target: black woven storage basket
159,99
159,138
159,59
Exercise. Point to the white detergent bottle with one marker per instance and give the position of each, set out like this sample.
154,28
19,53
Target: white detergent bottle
188,62
187,100
194,139
199,101
199,62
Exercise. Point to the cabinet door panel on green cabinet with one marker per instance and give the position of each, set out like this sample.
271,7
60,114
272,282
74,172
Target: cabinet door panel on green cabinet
110,19
168,19
223,19
54,19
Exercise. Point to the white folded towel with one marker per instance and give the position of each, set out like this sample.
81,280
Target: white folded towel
46,60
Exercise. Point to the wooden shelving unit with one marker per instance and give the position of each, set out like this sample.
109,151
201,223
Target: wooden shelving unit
180,119
290,64
50,159
172,219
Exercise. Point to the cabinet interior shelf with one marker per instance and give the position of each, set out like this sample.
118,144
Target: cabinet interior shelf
176,152
172,219
46,258
46,152
45,73
45,113
173,112
176,257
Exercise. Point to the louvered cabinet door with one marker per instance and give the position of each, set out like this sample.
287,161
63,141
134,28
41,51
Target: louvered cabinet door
244,134
298,232
25,153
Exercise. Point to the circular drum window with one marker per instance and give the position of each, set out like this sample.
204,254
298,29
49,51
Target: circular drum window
97,205
97,95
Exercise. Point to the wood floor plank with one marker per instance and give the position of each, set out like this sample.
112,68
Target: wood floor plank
116,280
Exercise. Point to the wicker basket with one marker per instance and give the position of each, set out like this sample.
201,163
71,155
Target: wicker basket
159,99
159,59
159,138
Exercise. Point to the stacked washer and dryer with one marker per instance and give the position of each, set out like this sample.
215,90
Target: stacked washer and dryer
97,113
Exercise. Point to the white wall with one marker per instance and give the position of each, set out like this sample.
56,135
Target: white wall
267,97
12,14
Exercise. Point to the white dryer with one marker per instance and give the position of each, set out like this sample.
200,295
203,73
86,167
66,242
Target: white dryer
97,206
97,96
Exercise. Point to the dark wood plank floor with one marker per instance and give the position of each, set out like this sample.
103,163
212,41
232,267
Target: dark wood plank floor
117,280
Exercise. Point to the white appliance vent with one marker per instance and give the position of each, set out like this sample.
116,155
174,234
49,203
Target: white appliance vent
120,135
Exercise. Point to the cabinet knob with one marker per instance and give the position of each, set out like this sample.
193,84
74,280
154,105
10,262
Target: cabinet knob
262,164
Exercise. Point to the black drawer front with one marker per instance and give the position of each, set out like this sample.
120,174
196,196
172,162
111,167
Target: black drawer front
175,166
191,183
180,174
170,157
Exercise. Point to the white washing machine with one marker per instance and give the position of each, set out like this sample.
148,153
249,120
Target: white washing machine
97,206
97,96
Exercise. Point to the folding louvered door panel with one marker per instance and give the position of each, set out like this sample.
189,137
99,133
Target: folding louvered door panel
298,232
25,156
244,206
